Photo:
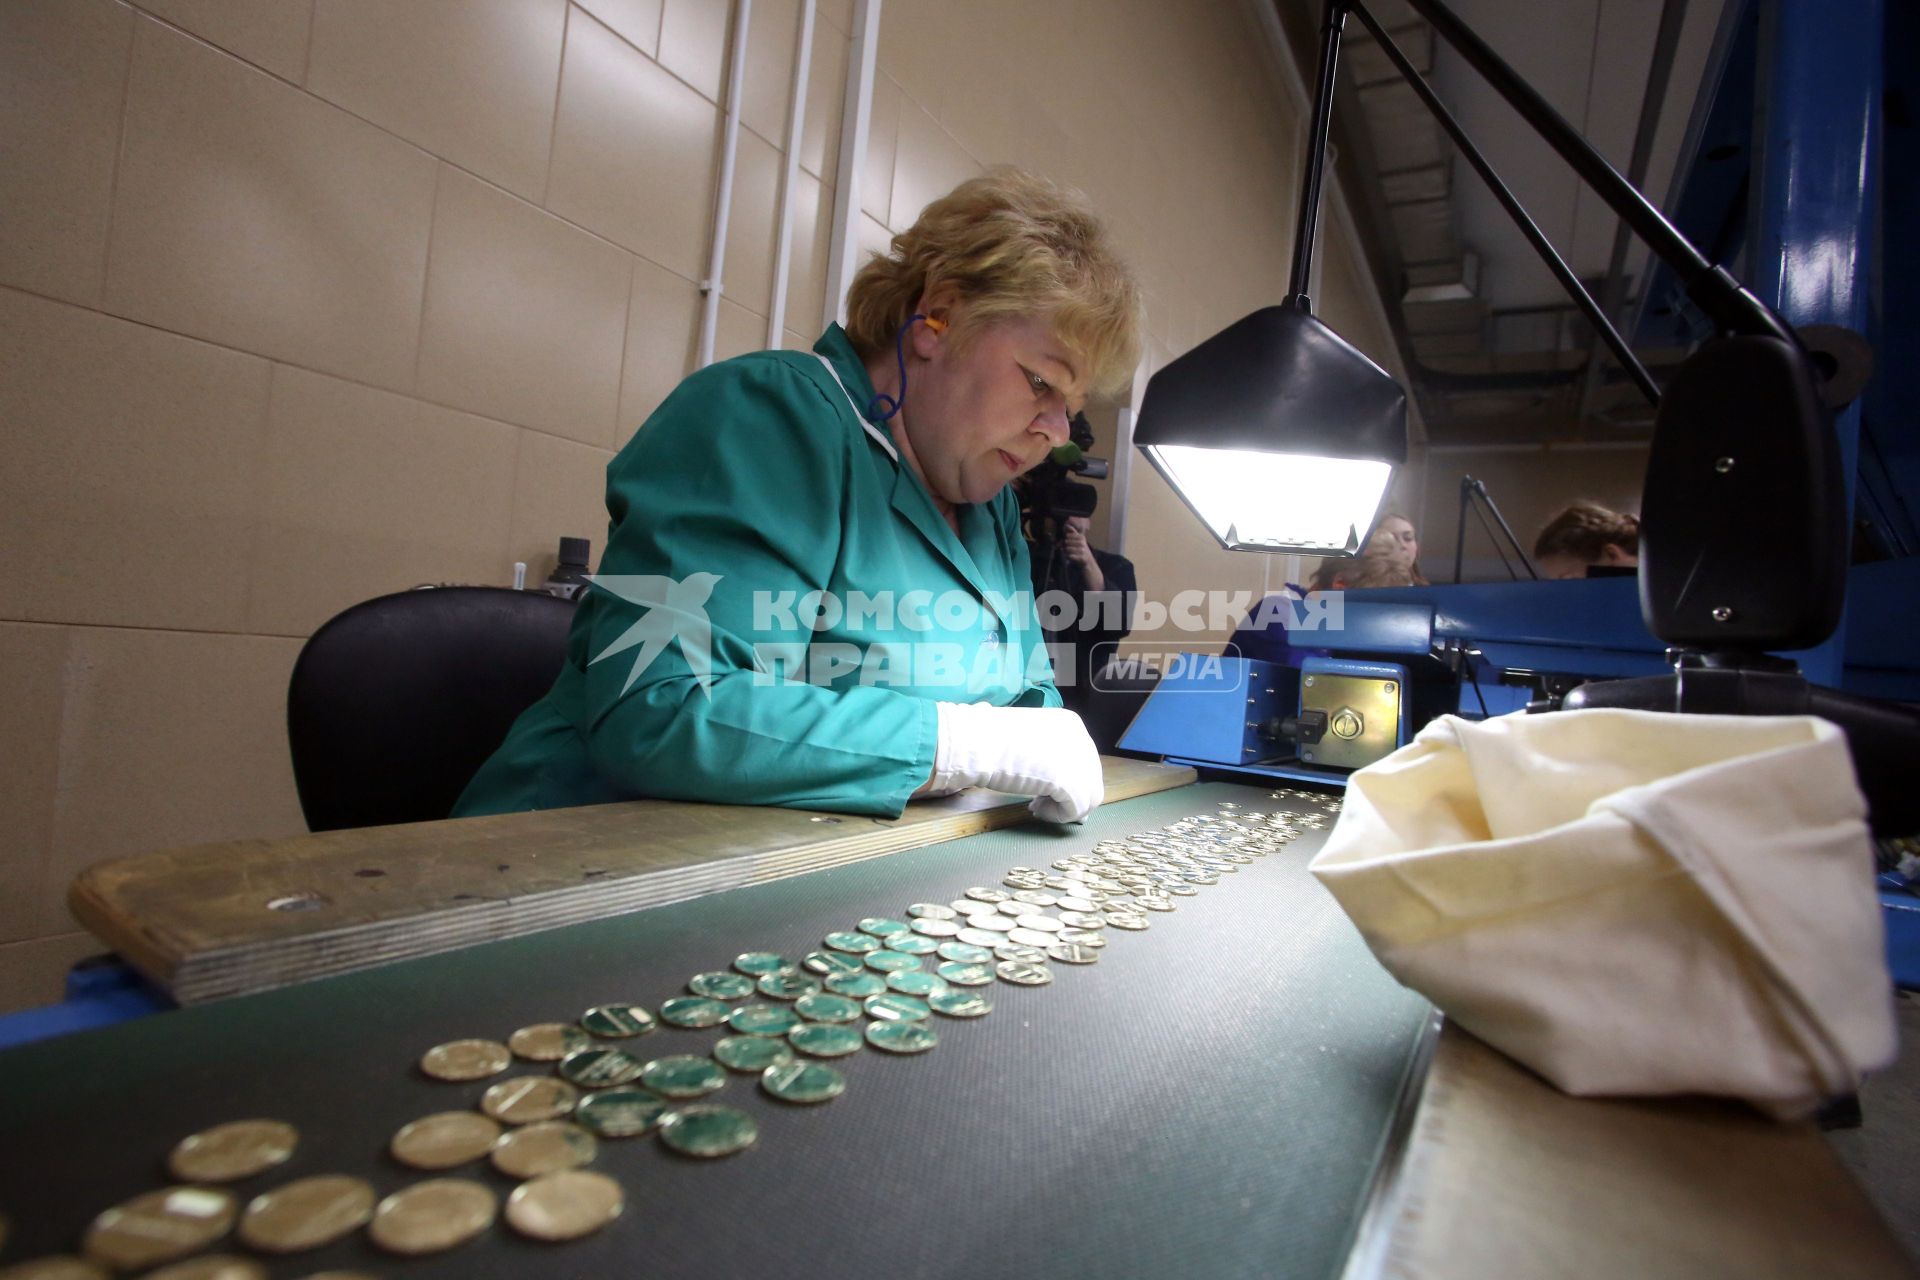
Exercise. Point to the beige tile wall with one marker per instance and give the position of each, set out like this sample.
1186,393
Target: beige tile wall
303,301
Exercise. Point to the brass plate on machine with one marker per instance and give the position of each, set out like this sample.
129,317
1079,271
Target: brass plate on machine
1363,719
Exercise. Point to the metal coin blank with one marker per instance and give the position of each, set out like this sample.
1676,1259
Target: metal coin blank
1019,951
627,1113
960,1004
803,1082
981,894
993,922
892,961
529,1099
1024,974
721,985
444,1140
694,1011
757,963
1082,919
1126,920
902,1037
763,1019
564,1206
598,1068
1155,903
915,983
1084,937
547,1041
828,963
206,1266
970,907
231,1151
897,1008
787,986
306,1214
824,1040
931,911
709,1131
964,952
979,937
159,1226
858,985
547,1147
682,1075
1035,898
433,1216
965,975
1031,937
881,926
1072,953
751,1053
942,927
856,943
1037,920
617,1021
821,1007
913,944
466,1060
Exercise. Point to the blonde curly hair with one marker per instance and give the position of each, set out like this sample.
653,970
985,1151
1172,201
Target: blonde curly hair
1012,244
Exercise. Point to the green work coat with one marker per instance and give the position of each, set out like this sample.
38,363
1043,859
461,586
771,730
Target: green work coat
700,667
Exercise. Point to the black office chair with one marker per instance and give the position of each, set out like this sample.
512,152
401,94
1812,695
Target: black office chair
396,703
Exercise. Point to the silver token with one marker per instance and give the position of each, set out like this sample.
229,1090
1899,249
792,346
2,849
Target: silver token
1127,920
986,895
1072,953
960,1004
1082,919
1023,974
1083,937
1073,902
979,937
965,975
760,962
1035,898
1155,902
935,928
1020,952
860,984
694,1011
1036,920
897,1008
964,907
828,963
827,1008
721,985
915,983
912,944
901,1037
881,926
931,911
787,986
821,1040
964,952
892,961
1183,891
1031,937
858,944
993,922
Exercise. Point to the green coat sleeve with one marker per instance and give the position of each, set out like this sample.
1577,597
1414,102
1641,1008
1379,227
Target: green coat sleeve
742,472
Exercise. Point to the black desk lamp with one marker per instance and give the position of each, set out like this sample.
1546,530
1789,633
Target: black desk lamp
1743,519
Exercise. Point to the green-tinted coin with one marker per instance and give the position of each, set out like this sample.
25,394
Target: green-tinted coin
1024,973
915,983
763,1019
828,963
599,1068
803,1082
708,1131
960,1004
914,944
721,985
901,1037
620,1113
824,1041
820,1007
881,927
966,975
694,1011
681,1075
617,1021
787,986
759,962
892,961
897,1008
964,953
856,943
858,985
751,1053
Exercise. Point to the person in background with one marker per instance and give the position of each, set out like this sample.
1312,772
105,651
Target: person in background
1406,546
1585,535
1384,562
1103,587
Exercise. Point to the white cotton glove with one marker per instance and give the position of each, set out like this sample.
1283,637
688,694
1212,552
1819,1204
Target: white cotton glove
1043,752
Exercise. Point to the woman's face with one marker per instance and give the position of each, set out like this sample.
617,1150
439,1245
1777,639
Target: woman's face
1407,548
981,413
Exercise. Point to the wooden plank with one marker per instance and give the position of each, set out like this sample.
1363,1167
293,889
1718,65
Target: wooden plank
212,921
1507,1178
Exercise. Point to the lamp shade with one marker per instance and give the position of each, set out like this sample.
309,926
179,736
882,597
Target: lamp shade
1278,433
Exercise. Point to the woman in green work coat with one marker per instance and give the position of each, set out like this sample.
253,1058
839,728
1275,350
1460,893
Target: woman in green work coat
815,592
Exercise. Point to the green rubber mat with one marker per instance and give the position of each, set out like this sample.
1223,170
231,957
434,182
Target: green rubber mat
1207,1100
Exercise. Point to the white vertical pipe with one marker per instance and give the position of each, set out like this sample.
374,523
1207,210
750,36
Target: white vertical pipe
855,118
796,124
717,263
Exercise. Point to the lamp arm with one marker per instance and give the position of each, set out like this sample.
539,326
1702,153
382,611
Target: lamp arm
1515,210
1471,489
1336,21
1728,303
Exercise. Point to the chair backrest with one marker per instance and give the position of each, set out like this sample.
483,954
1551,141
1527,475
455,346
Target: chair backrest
396,703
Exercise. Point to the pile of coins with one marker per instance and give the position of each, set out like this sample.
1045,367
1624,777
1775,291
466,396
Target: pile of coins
886,984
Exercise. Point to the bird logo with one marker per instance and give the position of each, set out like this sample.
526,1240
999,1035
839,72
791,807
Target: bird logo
675,610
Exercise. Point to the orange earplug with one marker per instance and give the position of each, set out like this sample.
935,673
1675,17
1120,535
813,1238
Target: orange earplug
936,324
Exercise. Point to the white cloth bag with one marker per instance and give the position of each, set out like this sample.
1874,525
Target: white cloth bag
1630,902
